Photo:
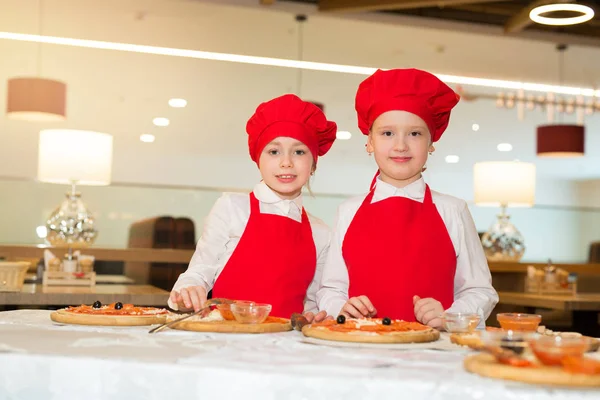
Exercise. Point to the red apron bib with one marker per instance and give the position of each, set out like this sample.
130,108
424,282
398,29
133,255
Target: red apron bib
397,248
274,262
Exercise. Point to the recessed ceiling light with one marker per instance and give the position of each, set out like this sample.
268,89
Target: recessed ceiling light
147,138
343,135
475,127
178,103
452,159
161,121
504,147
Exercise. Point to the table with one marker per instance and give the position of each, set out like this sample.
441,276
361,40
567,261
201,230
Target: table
36,294
584,306
43,360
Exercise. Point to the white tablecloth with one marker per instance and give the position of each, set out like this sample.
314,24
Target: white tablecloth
43,360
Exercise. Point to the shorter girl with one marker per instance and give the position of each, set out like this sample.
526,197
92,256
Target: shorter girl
263,246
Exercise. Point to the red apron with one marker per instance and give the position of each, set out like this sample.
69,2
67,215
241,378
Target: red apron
397,248
274,262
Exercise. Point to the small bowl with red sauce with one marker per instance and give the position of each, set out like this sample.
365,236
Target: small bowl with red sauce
519,322
553,350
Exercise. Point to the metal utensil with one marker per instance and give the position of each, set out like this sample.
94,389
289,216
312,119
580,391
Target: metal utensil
207,306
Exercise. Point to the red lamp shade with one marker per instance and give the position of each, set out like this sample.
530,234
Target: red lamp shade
560,141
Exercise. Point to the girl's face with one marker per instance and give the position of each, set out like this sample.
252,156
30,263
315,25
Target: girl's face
285,165
400,141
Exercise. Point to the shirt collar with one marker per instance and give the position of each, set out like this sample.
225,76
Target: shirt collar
414,191
266,195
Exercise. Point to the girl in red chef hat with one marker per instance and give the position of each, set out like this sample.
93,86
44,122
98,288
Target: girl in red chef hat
263,246
404,251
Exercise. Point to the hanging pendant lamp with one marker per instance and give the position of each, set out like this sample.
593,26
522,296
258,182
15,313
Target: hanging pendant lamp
36,99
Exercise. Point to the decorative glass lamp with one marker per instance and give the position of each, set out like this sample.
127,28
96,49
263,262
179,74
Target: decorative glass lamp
73,157
504,184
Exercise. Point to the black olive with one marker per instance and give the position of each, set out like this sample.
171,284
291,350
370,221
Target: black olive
341,319
386,321
507,346
97,304
118,305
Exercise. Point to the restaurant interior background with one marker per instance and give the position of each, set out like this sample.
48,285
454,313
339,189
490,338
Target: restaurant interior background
203,151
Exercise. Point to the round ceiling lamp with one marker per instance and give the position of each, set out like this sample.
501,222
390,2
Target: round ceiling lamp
586,13
560,141
36,99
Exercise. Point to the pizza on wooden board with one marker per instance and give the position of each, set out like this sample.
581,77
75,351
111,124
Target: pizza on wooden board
114,314
221,320
371,330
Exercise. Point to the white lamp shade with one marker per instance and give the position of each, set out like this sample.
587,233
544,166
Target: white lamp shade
67,156
508,183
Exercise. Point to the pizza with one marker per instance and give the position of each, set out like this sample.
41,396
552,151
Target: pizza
221,320
371,330
114,314
574,371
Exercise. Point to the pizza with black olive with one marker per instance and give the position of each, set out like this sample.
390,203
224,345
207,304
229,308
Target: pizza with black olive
371,330
115,314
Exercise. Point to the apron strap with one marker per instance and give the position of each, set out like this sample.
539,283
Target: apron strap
254,204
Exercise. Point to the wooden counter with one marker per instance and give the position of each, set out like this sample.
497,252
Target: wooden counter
36,294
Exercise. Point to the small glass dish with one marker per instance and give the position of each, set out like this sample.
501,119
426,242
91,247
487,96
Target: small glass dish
519,322
552,350
225,310
249,312
515,341
460,322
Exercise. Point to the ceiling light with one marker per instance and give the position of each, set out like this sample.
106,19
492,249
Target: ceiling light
561,141
147,138
343,135
161,121
452,159
504,147
475,127
586,12
280,62
178,103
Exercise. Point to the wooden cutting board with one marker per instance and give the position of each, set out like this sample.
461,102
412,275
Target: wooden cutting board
65,317
486,365
271,325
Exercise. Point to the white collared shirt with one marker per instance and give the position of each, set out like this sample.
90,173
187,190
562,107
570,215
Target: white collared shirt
224,227
473,291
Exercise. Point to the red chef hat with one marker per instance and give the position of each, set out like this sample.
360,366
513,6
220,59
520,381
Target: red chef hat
290,116
411,90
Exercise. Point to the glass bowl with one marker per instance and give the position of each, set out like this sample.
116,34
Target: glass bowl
460,322
519,322
552,350
249,312
225,310
515,341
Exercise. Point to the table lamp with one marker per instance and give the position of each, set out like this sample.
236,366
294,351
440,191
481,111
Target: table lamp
73,157
504,184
